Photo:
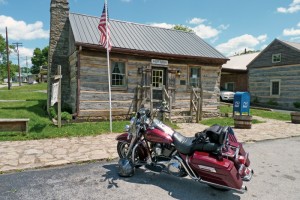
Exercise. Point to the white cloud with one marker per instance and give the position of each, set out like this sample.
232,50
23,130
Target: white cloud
127,1
239,44
163,25
3,2
293,7
196,20
23,53
291,32
206,32
298,24
19,30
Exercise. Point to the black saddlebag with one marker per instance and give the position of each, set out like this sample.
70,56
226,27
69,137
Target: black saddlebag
214,134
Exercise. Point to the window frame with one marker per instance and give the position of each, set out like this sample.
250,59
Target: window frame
198,78
119,87
233,86
276,58
271,87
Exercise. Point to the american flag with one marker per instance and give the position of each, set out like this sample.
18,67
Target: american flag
103,27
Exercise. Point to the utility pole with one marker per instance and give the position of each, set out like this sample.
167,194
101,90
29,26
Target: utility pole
18,44
7,53
27,70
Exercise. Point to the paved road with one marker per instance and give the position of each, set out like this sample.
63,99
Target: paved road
276,164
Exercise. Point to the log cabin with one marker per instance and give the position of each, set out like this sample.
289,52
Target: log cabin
274,75
148,65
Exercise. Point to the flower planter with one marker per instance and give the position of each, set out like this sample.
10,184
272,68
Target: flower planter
295,117
243,121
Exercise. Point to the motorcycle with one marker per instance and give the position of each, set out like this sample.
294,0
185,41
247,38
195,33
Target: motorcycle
213,156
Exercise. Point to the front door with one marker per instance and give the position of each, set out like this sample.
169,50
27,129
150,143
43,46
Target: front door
158,81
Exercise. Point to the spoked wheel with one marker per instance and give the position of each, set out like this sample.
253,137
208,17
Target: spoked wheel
123,148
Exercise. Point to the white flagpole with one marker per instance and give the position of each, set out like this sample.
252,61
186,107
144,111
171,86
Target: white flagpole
108,68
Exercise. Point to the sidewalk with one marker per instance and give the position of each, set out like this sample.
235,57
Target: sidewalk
19,155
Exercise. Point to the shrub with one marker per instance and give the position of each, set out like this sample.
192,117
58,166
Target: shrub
66,116
297,104
272,102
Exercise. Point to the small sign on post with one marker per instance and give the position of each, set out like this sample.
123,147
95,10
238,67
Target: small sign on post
56,94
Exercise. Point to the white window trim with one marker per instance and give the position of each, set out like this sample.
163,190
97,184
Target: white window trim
277,54
271,87
226,85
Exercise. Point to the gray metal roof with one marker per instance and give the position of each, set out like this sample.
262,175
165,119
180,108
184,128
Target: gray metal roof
292,44
240,62
132,36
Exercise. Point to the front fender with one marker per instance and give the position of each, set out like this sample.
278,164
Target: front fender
123,137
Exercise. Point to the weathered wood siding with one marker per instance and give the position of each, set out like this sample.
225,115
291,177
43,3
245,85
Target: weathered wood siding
261,71
93,96
289,56
260,84
240,80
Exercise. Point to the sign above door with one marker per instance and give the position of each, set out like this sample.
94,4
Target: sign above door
159,62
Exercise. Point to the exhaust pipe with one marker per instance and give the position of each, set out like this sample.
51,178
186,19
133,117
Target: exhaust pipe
242,190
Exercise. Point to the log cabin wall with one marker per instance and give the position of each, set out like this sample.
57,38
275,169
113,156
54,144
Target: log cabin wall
93,88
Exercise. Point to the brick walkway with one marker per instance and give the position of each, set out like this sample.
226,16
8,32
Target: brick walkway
19,155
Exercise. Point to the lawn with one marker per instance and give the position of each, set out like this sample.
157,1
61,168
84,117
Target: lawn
226,121
33,106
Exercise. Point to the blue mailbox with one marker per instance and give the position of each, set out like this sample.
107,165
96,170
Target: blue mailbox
241,103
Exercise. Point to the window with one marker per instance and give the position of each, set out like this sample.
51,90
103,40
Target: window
275,88
118,74
194,77
276,58
230,86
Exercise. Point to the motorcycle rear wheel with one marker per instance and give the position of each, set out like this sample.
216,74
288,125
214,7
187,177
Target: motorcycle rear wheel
122,149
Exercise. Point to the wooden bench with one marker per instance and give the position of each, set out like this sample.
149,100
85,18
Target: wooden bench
14,125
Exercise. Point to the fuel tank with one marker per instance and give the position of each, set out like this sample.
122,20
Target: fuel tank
212,170
159,133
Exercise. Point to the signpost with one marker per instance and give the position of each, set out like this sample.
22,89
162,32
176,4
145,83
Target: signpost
56,94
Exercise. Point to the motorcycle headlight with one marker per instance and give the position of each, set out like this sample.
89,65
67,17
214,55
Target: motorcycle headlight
126,128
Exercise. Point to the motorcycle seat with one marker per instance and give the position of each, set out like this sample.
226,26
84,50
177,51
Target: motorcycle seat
185,145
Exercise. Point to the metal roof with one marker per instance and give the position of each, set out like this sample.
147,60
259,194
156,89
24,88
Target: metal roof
292,44
140,37
240,62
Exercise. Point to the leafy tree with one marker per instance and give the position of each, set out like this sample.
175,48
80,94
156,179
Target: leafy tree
3,63
182,28
39,58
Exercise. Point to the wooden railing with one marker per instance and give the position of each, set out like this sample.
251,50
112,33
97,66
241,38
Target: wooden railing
145,94
168,99
196,104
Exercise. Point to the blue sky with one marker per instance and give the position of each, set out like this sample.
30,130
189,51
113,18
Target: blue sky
228,25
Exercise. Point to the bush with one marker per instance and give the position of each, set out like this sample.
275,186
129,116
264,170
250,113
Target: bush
66,116
272,102
297,104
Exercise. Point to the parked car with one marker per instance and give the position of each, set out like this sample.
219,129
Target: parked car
226,95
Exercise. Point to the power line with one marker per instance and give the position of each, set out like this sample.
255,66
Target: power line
18,44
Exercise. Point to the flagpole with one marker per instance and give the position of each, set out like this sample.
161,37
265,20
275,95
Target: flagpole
108,67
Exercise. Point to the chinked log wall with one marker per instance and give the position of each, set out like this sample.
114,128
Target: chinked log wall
93,88
260,83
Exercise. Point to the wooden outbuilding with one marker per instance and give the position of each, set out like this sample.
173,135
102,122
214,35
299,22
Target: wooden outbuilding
274,75
148,64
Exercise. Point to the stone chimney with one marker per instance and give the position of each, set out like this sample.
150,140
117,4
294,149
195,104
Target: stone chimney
59,48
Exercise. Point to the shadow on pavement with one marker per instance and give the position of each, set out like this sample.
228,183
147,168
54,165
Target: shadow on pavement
178,188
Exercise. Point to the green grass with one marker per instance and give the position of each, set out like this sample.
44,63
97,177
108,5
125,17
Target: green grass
261,113
33,107
223,121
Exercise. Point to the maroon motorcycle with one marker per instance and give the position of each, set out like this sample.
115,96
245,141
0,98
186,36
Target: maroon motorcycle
213,156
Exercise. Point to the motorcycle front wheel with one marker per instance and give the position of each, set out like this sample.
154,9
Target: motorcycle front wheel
123,148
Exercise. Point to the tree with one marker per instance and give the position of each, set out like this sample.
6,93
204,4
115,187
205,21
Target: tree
39,58
182,28
3,63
